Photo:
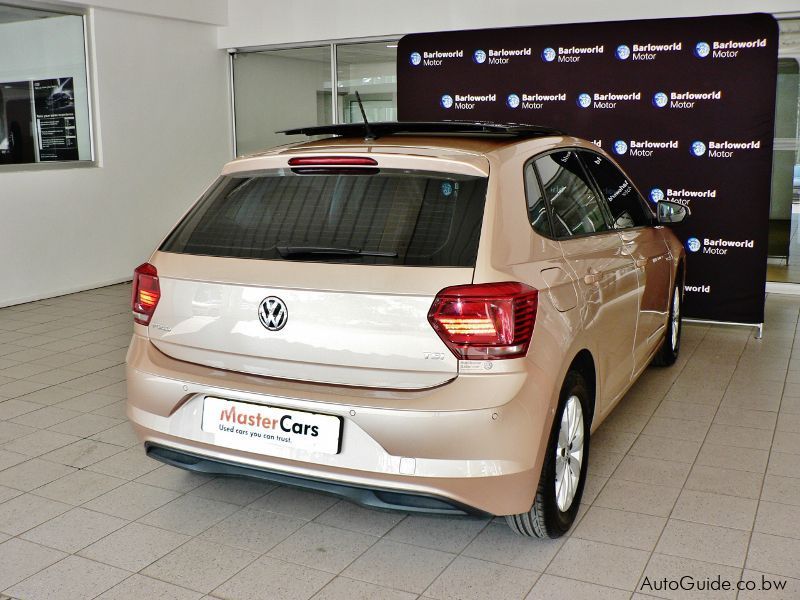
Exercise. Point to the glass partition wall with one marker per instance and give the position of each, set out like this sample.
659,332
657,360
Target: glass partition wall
783,264
370,70
276,89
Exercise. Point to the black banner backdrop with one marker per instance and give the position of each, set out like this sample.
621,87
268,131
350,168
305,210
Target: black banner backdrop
687,107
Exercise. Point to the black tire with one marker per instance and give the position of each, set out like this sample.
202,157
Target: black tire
668,352
545,519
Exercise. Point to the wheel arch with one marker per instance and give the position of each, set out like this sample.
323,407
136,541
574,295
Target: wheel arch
585,365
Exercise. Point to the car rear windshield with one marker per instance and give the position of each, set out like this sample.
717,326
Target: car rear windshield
389,217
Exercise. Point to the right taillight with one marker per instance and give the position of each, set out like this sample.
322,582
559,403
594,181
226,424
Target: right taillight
487,320
145,294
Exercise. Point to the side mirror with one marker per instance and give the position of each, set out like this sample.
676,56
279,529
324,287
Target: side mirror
671,212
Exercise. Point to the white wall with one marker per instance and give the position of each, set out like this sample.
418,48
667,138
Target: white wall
163,130
214,12
262,22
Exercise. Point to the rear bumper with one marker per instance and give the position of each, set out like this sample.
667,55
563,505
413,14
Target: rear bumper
365,496
398,455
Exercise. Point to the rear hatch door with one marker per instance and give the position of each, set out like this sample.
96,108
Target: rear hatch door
321,274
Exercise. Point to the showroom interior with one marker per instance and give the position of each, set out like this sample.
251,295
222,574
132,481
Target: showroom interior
129,112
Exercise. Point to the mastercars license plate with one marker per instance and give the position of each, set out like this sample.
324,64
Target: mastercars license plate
254,427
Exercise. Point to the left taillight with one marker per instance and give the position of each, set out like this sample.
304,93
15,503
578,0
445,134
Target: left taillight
146,293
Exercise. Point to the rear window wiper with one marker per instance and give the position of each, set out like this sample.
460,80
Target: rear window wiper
286,251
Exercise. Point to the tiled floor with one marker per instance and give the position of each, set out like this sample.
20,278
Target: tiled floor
696,473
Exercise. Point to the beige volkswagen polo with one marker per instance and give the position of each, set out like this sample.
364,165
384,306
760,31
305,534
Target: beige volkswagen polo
432,318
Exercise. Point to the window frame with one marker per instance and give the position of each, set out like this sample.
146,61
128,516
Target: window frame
592,185
94,159
646,208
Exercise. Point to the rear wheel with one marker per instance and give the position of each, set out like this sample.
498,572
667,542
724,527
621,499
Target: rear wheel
564,471
668,353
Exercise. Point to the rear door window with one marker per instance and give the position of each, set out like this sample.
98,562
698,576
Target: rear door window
625,203
537,207
382,216
574,203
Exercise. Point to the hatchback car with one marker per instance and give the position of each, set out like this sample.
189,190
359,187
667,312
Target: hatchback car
432,318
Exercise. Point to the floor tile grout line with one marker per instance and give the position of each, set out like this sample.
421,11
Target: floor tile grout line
490,523
683,485
705,437
626,453
547,566
769,454
705,330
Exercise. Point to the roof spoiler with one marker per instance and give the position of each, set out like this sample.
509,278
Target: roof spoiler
380,129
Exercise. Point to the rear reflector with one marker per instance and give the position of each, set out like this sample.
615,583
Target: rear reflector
146,293
487,320
332,161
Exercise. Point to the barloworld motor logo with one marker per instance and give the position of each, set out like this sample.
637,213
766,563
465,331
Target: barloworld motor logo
701,288
702,49
717,247
606,100
567,54
660,100
479,56
656,195
686,197
434,58
644,148
461,101
722,148
623,52
534,100
697,148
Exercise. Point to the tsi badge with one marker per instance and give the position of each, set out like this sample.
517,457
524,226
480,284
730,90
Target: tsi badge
623,52
620,147
272,313
479,56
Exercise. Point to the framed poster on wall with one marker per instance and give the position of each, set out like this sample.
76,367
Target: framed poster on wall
56,131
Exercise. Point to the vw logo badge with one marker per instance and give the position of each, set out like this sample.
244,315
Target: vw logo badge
272,313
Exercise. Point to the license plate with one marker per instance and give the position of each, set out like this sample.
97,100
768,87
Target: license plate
255,428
